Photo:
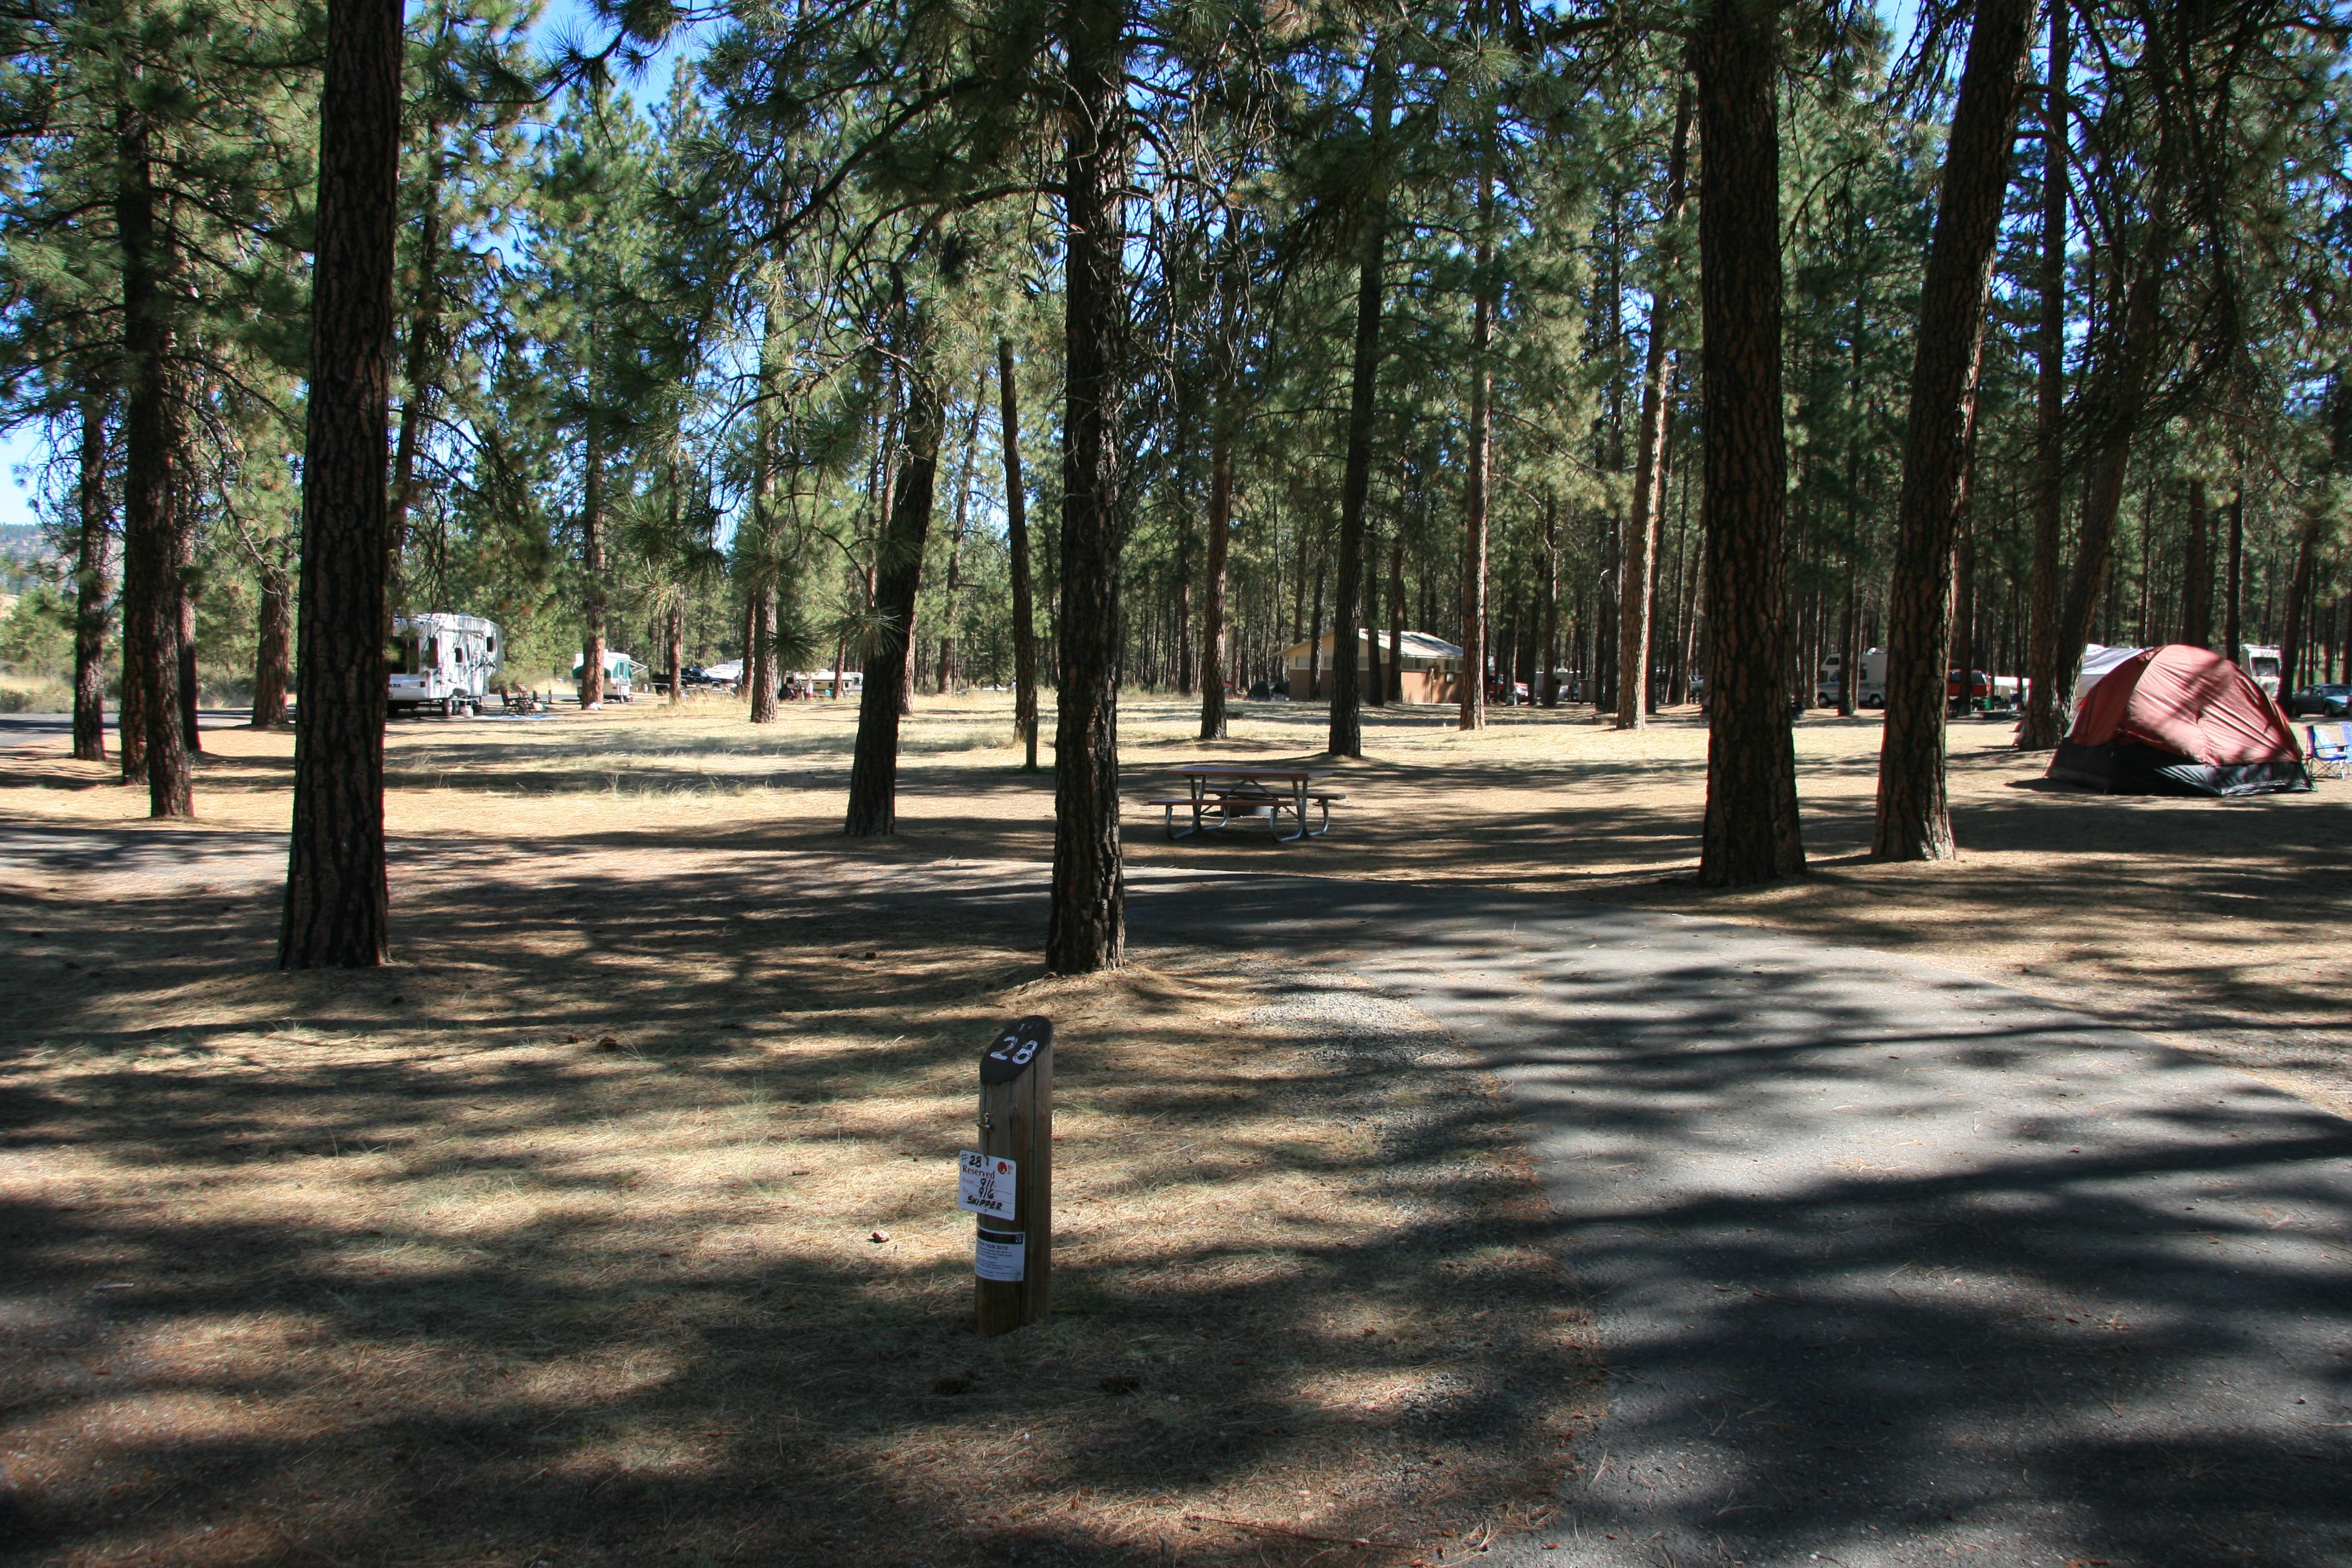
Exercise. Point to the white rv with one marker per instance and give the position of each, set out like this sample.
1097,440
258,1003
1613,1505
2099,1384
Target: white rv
2261,666
620,671
441,661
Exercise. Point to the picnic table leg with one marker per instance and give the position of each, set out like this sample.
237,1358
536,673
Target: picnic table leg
1298,809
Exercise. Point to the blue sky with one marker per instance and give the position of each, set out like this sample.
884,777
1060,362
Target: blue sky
20,451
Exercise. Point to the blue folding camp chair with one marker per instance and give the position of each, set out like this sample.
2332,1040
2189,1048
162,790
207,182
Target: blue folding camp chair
2337,757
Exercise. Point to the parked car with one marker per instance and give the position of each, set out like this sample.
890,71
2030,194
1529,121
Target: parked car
2321,702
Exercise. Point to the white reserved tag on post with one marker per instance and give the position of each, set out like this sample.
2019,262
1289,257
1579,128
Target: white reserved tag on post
984,1185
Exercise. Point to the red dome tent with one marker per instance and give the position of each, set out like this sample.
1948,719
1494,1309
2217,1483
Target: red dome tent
2180,720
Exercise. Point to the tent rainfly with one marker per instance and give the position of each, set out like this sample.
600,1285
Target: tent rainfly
2180,720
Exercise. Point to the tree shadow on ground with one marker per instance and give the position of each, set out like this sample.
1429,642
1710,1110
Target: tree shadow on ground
492,1255
1893,1263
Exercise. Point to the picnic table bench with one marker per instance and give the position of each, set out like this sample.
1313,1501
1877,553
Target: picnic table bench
1218,794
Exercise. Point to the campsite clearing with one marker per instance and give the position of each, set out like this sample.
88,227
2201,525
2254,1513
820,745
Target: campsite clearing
2213,924
577,1201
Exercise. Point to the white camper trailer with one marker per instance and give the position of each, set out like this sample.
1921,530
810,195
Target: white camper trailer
441,661
2261,666
620,674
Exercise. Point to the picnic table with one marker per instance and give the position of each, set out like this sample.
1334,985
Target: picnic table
1218,794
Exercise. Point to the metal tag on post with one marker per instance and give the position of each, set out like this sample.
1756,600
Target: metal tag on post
1008,1181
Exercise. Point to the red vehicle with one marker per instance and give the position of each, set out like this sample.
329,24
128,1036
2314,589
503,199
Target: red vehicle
1967,688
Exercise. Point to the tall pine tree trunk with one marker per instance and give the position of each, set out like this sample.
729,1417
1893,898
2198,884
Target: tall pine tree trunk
2197,610
1086,927
272,636
90,567
759,662
151,607
592,560
183,581
1347,732
1016,535
336,907
2233,588
1914,820
897,579
1650,453
1477,489
675,651
1751,831
2039,725
2121,378
1213,596
955,543
1396,620
416,373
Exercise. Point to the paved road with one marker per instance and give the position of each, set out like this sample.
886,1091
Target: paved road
30,728
1891,1266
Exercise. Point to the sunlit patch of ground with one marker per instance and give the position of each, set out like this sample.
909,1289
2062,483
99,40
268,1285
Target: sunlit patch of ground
615,1224
2214,923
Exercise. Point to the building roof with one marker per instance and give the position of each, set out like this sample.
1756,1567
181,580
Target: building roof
1416,644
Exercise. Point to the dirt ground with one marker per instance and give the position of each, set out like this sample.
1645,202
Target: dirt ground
553,1242
2215,924
613,1223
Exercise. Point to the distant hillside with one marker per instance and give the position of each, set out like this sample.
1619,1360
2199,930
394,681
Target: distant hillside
23,550
23,541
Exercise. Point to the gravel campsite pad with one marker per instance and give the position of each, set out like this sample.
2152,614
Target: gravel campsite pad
616,1224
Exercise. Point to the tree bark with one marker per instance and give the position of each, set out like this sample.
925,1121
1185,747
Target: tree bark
151,607
90,567
2197,583
270,643
676,652
2039,724
760,664
1642,529
1086,929
2233,589
1751,832
1477,486
417,389
2298,602
336,903
1914,820
1213,596
897,579
1016,533
592,560
1347,732
2122,387
1396,620
184,583
955,542
1375,690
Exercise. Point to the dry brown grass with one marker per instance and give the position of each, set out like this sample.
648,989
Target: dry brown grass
553,1243
413,1268
2214,924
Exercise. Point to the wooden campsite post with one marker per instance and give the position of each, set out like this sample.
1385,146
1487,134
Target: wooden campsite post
1013,1263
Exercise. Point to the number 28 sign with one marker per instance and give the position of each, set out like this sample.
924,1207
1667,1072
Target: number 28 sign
986,1184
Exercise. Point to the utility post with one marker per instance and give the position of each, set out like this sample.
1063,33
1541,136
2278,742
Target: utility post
1009,1181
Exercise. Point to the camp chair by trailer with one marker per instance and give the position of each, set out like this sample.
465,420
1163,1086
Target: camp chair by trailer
2180,720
